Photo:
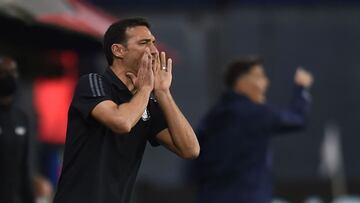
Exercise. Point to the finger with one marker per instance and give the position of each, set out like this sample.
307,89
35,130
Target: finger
131,76
169,65
156,66
150,63
144,59
147,50
163,59
150,57
148,54
299,71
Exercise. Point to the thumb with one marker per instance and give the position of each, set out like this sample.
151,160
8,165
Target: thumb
132,77
298,71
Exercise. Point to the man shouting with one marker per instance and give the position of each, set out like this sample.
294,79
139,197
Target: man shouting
114,114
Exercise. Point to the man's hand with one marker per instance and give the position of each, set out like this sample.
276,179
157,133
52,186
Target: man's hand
303,78
122,118
145,76
162,72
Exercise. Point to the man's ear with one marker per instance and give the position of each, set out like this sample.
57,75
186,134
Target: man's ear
118,50
241,85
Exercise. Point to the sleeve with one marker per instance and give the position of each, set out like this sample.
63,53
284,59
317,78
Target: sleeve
294,117
158,122
90,91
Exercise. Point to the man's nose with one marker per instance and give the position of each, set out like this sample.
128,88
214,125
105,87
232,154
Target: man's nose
153,50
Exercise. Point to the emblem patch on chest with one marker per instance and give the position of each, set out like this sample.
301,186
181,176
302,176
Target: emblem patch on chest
146,115
20,131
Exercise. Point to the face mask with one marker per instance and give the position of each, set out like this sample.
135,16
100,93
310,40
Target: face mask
8,85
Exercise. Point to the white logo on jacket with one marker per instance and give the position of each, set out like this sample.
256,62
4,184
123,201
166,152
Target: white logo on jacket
20,130
146,115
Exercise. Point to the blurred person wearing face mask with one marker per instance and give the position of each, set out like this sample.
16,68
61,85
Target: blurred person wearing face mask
235,161
15,184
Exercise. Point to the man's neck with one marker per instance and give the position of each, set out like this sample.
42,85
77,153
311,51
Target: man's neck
256,98
120,72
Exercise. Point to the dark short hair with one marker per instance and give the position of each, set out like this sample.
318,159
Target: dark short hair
239,68
116,33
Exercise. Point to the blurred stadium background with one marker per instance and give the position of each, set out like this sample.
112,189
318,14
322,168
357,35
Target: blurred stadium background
55,41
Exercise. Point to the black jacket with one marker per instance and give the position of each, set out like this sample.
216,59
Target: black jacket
235,160
15,184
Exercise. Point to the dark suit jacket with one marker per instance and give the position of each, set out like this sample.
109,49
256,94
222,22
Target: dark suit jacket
235,160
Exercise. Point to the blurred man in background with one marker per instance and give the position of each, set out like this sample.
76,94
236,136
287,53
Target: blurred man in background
235,160
15,182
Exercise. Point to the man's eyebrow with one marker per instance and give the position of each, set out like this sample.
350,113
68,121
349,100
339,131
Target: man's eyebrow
147,40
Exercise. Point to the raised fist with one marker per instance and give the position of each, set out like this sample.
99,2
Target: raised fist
303,78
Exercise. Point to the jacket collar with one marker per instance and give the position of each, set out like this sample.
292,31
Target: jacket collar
232,95
110,75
